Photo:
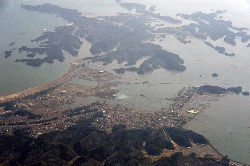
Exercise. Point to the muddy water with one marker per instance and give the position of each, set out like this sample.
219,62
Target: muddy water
225,122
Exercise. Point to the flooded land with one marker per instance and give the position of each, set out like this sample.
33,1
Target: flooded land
133,70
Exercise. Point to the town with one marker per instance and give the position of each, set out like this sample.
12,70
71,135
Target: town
53,108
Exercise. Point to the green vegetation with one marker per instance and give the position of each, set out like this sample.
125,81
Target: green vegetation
8,54
207,25
131,6
220,50
179,159
215,28
86,145
183,137
124,43
52,46
219,90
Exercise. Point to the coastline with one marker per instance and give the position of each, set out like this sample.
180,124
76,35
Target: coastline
37,88
73,72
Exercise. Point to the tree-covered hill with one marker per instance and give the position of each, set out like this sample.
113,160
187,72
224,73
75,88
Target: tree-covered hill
85,145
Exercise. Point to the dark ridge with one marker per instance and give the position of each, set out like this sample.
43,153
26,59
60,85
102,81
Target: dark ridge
89,146
220,50
131,6
161,59
219,90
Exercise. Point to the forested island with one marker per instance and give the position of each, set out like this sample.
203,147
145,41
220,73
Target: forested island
208,25
124,43
140,8
8,54
125,37
161,59
52,44
218,90
220,50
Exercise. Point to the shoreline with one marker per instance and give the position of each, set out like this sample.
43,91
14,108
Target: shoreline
189,122
42,88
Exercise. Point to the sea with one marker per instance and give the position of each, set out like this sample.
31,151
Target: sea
226,122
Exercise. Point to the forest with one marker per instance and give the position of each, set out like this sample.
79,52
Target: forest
83,144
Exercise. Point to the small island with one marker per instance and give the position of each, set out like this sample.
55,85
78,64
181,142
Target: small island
245,93
220,50
207,25
8,54
218,90
215,75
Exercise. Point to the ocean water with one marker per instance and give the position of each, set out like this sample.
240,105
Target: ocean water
20,26
225,122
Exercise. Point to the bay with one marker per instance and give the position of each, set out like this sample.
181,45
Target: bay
227,119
